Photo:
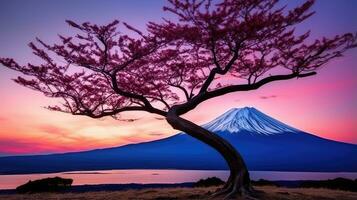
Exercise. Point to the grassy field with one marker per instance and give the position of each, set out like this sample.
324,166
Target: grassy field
269,193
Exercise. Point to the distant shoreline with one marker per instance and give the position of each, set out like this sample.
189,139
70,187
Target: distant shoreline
138,186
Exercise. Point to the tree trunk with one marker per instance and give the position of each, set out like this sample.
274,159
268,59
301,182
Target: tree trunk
238,182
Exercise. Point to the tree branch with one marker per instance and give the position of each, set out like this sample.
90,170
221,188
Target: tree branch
247,87
112,112
218,70
184,108
182,89
148,107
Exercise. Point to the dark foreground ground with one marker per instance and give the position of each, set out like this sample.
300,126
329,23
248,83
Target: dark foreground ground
183,193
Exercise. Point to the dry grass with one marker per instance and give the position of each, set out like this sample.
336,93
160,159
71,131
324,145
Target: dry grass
269,193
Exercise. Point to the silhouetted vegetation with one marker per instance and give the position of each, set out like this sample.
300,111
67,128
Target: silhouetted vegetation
208,182
45,185
338,183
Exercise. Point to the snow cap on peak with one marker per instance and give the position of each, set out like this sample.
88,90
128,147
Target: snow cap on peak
244,109
248,119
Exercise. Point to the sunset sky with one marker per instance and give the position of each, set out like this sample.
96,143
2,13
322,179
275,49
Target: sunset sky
324,105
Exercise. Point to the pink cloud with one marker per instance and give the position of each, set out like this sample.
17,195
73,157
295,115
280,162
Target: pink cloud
268,97
51,129
13,147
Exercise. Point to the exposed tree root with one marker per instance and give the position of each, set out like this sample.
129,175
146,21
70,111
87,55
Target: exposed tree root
237,187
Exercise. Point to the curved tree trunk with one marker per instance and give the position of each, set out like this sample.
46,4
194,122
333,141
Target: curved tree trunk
238,181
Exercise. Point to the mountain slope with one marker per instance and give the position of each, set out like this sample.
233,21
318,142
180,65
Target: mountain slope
265,143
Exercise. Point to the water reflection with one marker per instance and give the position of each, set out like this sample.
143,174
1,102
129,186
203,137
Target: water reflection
160,176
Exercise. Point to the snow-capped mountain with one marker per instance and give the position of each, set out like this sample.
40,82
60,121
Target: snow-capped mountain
265,144
250,120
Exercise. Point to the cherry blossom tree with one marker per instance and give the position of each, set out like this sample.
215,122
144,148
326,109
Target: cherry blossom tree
176,65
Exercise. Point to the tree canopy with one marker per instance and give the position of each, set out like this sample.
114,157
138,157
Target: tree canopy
102,71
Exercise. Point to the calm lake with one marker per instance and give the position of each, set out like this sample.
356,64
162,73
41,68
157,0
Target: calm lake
160,176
